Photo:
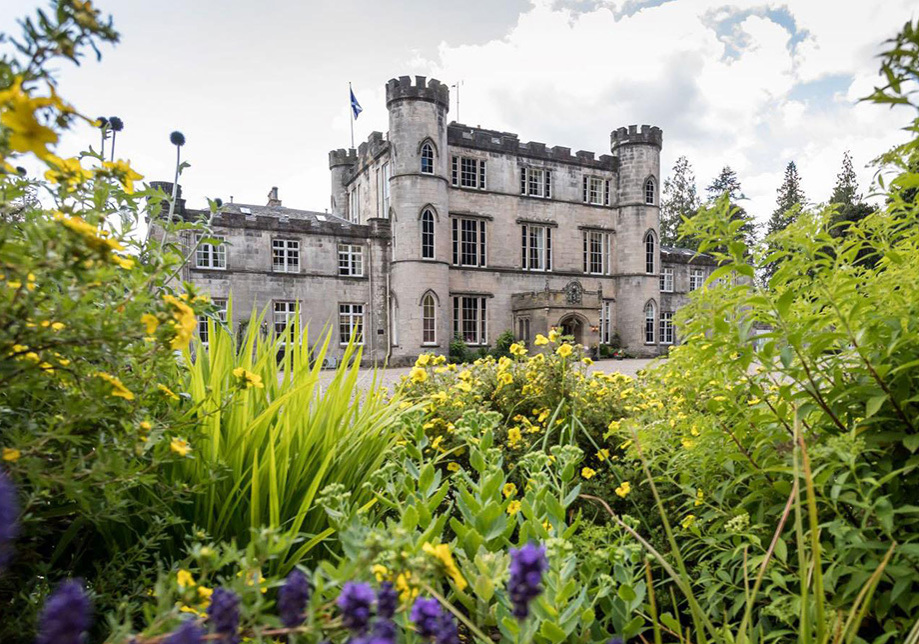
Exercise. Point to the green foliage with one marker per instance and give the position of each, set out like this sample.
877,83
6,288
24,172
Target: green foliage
271,436
503,345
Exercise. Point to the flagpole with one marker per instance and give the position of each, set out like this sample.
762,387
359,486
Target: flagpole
351,112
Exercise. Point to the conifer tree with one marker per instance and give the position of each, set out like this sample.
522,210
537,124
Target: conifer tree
728,183
850,208
790,196
680,199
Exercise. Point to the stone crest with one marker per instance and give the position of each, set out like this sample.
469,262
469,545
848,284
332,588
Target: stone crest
574,292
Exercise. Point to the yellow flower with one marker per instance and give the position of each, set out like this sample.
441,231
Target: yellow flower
407,590
688,521
180,446
505,379
517,350
146,425
248,378
184,321
688,443
694,430
587,361
166,391
603,454
564,350
27,134
513,507
440,397
453,466
509,490
623,490
554,335
184,579
442,554
588,473
418,375
11,454
514,436
379,571
123,172
423,360
14,284
540,340
204,593
123,262
118,389
151,322
67,172
58,326
464,386
700,496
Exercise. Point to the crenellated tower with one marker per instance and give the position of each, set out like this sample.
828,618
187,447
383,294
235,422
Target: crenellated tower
341,165
419,183
637,261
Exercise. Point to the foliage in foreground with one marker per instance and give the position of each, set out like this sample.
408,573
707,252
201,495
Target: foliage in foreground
271,436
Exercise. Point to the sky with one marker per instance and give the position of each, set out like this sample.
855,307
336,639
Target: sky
260,90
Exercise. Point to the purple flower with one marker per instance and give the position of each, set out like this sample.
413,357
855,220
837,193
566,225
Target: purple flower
426,615
9,517
387,600
616,640
525,584
292,599
66,616
188,633
446,630
355,601
384,632
223,615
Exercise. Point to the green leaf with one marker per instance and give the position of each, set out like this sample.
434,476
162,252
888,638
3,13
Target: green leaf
553,632
874,404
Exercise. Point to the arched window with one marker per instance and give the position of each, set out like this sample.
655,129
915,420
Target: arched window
427,235
428,320
649,192
649,323
649,252
427,159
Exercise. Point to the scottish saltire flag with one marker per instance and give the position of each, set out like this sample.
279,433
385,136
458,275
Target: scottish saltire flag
355,106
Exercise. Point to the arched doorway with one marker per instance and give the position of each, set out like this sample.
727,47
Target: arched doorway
572,325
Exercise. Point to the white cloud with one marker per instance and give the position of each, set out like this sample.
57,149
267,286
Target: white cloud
567,76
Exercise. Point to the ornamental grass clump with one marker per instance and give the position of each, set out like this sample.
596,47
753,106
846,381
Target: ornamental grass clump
272,436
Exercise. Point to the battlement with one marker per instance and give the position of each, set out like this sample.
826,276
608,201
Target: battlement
507,142
342,157
422,89
648,135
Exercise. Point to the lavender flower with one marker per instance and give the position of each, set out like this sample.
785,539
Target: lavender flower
446,630
9,517
426,615
292,599
525,584
384,632
387,600
223,614
66,616
355,601
616,640
188,633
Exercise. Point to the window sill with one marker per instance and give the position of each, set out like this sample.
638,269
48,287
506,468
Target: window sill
210,268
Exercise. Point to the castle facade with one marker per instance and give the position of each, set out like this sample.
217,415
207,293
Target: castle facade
439,231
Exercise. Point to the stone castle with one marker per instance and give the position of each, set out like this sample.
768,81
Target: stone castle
439,230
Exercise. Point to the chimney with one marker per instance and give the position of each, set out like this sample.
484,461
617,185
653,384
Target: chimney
273,197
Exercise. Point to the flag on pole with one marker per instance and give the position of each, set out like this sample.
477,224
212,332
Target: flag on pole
355,106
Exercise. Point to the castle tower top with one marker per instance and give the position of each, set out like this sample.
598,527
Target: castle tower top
422,89
647,135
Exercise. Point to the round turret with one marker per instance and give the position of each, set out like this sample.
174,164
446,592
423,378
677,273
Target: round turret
637,248
419,186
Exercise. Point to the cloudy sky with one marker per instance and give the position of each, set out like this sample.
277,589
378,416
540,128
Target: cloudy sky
260,89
